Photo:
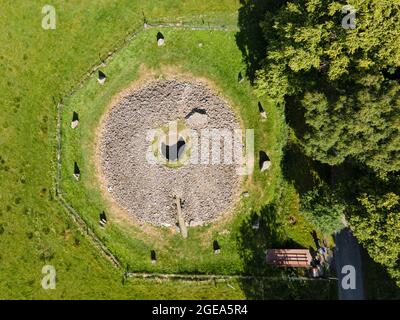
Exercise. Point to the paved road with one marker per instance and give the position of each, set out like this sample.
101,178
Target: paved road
347,252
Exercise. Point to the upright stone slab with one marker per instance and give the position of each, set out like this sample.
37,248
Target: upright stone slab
101,78
216,247
77,172
265,162
266,165
75,120
181,221
74,124
261,109
245,194
153,257
256,224
160,39
102,219
240,77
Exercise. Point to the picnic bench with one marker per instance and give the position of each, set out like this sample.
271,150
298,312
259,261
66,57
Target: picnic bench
289,257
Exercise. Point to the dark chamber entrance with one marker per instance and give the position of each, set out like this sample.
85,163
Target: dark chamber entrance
173,152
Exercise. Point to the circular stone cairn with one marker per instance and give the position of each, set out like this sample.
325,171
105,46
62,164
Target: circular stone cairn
146,190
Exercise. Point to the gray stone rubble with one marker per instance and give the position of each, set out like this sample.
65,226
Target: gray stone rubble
146,191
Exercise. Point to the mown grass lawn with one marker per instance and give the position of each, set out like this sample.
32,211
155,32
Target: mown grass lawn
39,67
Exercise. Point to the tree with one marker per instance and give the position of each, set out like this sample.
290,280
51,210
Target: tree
343,79
321,207
364,125
376,224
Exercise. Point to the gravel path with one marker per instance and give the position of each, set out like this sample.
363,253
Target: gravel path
146,191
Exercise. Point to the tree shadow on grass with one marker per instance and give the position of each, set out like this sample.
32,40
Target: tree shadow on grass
377,282
301,170
284,289
252,243
294,115
250,38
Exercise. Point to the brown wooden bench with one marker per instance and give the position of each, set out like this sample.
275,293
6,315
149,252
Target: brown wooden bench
289,257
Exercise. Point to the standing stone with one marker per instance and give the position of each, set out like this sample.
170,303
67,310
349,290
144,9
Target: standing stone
265,162
160,39
266,165
77,172
256,224
75,120
261,109
103,219
153,257
102,77
216,247
74,124
181,221
160,42
240,77
245,194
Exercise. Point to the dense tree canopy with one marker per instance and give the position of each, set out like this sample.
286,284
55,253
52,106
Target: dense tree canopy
376,224
322,208
345,80
339,80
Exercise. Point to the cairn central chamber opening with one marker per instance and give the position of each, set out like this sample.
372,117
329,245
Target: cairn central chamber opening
172,149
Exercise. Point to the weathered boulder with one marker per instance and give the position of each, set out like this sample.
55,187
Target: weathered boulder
74,124
197,120
266,165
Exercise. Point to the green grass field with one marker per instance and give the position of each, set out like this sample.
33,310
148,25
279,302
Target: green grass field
39,67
